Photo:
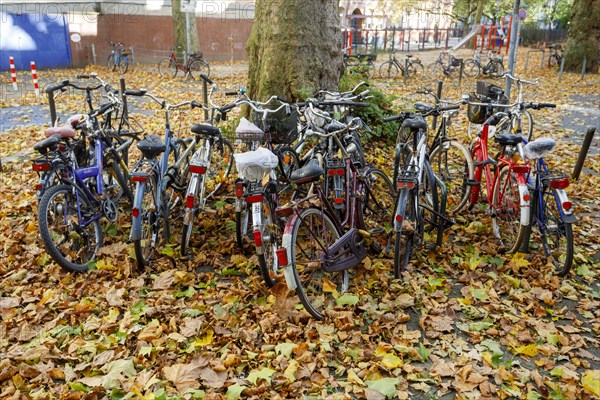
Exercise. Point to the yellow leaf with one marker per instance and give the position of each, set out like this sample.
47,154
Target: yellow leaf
206,340
530,350
291,370
591,382
487,357
330,287
519,260
391,361
352,377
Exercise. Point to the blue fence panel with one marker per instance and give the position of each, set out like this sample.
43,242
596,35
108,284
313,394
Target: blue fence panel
43,38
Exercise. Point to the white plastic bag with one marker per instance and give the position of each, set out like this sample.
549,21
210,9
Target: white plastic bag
254,165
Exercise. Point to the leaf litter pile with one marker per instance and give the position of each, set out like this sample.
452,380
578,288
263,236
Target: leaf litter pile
463,322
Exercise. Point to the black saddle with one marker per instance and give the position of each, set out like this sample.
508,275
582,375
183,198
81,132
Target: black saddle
422,107
334,126
414,123
506,139
309,173
151,146
43,146
495,90
204,129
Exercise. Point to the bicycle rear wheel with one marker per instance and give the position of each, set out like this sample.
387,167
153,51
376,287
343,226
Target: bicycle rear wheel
406,227
150,214
452,163
167,68
242,225
506,216
198,67
124,65
556,234
221,165
471,69
377,206
110,63
71,241
496,69
271,241
416,69
313,233
435,70
388,70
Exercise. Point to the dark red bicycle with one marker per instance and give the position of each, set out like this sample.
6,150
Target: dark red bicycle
169,67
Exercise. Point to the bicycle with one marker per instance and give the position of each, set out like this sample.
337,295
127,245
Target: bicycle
318,246
494,67
194,67
421,201
69,212
393,66
207,168
552,212
556,55
160,183
118,58
445,65
360,64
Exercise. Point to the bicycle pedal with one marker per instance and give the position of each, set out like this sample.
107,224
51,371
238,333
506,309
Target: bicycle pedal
472,182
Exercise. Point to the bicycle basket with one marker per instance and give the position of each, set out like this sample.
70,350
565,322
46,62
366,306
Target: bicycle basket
477,114
280,127
456,62
125,52
247,132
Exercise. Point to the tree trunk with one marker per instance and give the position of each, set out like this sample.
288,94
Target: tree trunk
180,30
477,20
584,36
295,48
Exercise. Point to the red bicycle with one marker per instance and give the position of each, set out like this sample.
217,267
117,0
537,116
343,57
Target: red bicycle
169,67
505,179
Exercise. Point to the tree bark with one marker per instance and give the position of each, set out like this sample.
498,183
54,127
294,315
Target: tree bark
584,36
295,48
180,30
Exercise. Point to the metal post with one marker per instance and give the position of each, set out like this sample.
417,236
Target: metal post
123,97
447,34
187,36
439,96
542,62
52,106
132,64
385,37
562,68
205,98
408,42
376,39
526,62
514,41
393,38
583,67
460,72
587,141
405,71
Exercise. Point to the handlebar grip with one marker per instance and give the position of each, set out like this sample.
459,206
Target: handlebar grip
364,94
61,85
394,118
131,92
104,108
83,76
546,105
111,89
226,108
195,104
231,93
282,99
206,78
448,108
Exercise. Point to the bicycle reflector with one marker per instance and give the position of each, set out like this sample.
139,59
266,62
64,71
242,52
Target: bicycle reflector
282,258
139,178
198,169
257,238
562,183
567,205
337,171
41,166
189,201
239,189
521,169
406,184
135,212
257,198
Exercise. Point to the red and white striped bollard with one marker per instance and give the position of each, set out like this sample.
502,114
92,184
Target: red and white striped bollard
13,73
35,80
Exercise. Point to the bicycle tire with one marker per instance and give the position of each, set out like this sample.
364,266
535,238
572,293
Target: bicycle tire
271,242
428,204
242,223
526,124
553,61
196,182
388,70
471,69
452,163
415,69
403,244
110,63
51,218
146,245
307,264
123,183
435,71
506,216
496,69
124,65
378,198
167,68
288,162
197,67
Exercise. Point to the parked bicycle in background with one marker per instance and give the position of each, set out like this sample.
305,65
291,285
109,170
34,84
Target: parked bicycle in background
118,58
494,66
393,66
194,66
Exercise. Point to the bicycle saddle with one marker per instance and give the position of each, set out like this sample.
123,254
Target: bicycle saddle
151,146
310,172
334,126
42,147
507,139
65,131
539,147
409,55
495,90
205,129
422,107
416,122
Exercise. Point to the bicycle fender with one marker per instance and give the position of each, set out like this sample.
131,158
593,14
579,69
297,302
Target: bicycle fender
567,216
191,191
257,225
400,209
136,222
525,205
286,243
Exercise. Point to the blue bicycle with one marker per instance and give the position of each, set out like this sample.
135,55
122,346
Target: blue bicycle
118,58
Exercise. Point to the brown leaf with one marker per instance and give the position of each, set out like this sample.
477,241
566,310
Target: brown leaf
183,376
9,302
164,280
214,379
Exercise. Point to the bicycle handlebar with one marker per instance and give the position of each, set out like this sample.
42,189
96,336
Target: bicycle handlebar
206,78
519,80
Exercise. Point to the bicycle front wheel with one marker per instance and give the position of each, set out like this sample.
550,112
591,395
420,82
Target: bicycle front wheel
506,216
406,221
110,63
124,65
221,165
378,201
150,215
195,187
167,68
72,241
553,61
452,163
435,71
198,67
416,69
556,234
388,70
496,69
312,234
471,69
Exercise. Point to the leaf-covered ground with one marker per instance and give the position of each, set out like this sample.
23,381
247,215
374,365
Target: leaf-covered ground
464,322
